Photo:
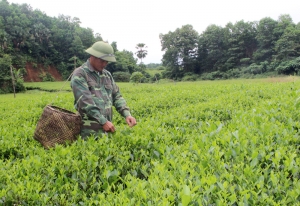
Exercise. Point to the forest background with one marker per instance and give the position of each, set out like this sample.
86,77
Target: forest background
30,38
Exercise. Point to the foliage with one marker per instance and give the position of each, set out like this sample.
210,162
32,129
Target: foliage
156,77
218,51
180,49
136,77
190,77
29,35
114,46
142,52
32,35
153,65
19,81
125,62
121,76
141,67
46,77
289,67
6,78
189,148
62,69
160,68
19,85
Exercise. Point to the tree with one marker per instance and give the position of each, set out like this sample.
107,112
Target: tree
77,48
142,52
29,35
266,40
114,46
63,35
288,44
291,67
180,49
86,35
241,43
214,46
5,76
125,62
284,21
6,85
3,38
98,37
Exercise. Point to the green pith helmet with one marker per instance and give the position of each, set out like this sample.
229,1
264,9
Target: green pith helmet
102,50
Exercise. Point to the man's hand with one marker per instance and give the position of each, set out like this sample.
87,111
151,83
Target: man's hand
109,127
130,121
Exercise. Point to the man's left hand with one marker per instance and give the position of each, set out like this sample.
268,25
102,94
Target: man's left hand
130,121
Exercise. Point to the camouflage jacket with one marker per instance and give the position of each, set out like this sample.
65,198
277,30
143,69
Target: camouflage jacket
95,94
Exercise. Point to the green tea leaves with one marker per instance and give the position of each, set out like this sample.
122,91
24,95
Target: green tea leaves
202,143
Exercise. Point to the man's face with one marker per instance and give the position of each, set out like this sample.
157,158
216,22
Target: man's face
98,64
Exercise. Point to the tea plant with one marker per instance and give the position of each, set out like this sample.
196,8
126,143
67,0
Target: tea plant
201,143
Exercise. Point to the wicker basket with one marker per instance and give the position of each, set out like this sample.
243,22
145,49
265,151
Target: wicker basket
57,126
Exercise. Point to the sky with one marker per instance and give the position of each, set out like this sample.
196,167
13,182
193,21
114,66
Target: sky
129,22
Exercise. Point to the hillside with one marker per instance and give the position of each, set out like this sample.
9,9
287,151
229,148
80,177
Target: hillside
35,73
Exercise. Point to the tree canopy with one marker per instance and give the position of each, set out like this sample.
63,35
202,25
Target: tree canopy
239,49
28,35
181,47
242,48
141,51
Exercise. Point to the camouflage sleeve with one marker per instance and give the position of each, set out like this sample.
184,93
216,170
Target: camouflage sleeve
119,102
83,98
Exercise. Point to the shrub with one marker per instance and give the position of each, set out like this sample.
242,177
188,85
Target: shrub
146,74
289,67
245,60
46,77
192,77
233,73
20,85
136,77
121,76
145,80
214,75
156,77
255,69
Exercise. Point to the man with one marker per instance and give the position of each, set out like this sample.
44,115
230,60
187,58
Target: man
95,92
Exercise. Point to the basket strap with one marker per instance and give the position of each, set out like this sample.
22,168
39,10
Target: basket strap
87,78
62,87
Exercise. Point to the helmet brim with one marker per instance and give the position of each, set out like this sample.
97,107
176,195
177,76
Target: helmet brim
98,54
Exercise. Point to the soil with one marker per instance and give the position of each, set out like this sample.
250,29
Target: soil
34,72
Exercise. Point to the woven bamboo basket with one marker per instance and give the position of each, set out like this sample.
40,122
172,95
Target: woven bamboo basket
57,126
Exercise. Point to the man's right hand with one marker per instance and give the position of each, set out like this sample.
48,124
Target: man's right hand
109,127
